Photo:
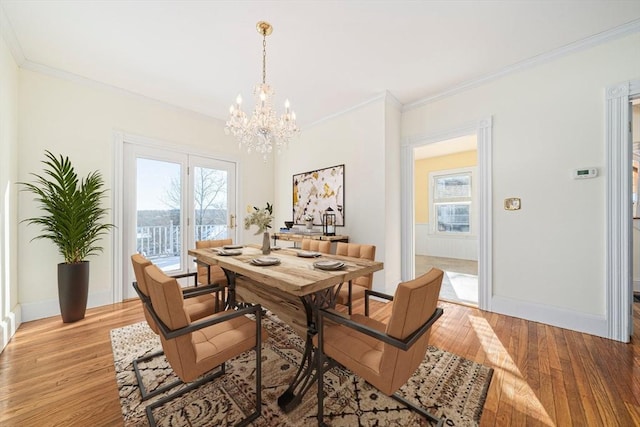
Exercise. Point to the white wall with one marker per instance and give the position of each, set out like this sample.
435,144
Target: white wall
393,201
548,257
78,120
357,140
10,316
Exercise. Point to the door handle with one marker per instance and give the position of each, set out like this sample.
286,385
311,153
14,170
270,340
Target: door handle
232,221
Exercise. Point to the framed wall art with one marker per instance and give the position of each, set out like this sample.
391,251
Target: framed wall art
315,191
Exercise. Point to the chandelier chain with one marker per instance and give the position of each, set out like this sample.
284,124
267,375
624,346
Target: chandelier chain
264,59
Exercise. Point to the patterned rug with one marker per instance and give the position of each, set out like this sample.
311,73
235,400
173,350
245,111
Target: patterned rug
447,385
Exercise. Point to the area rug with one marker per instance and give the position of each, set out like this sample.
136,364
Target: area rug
447,385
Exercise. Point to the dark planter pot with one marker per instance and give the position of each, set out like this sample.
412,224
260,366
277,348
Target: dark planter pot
73,289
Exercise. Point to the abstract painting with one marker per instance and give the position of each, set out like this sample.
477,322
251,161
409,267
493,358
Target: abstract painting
316,191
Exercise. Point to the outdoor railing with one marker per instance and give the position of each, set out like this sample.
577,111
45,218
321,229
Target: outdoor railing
164,241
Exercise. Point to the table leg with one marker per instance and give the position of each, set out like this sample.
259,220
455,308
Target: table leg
231,286
307,373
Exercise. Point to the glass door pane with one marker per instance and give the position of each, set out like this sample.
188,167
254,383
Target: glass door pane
213,199
158,212
210,203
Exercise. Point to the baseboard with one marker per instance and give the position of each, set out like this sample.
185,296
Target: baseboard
48,308
9,325
549,315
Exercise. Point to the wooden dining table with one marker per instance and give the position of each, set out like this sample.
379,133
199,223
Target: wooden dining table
293,289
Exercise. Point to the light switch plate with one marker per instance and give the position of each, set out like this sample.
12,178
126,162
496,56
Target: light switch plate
512,203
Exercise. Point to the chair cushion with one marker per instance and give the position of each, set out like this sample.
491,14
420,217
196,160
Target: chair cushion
200,306
357,292
215,344
166,298
322,246
356,250
354,349
217,275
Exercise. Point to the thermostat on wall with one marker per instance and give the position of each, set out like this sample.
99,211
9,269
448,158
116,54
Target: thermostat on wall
585,173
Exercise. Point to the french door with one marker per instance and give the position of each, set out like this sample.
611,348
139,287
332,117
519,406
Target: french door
171,200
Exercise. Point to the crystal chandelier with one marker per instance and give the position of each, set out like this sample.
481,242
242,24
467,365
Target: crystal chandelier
264,129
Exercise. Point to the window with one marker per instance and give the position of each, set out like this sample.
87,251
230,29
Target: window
451,197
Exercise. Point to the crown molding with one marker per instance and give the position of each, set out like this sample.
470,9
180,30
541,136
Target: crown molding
9,36
65,75
393,101
591,41
380,97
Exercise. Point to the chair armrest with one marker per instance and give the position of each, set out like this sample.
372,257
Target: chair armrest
186,293
173,333
193,274
398,343
201,290
368,292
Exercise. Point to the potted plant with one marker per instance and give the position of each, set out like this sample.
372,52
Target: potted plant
72,219
262,218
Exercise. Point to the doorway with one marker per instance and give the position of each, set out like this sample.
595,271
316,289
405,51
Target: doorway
446,215
172,200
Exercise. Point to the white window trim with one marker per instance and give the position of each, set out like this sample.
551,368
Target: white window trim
433,229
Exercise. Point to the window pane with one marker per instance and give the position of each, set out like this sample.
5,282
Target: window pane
158,202
210,204
452,187
453,217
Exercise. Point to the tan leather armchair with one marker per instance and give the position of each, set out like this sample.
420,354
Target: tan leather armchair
384,355
322,246
355,290
199,302
212,274
196,348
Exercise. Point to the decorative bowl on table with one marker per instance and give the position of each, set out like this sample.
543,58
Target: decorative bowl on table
288,224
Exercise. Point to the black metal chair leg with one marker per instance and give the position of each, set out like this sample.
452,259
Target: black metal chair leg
189,387
143,390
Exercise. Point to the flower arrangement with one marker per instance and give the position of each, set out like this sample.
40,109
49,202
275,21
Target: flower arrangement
260,217
308,217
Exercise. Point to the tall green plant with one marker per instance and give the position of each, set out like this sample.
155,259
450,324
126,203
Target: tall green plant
73,213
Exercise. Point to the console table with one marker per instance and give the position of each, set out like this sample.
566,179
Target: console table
298,237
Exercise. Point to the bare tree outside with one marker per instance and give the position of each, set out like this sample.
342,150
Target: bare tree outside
210,202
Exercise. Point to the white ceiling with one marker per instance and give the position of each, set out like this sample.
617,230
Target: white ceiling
325,56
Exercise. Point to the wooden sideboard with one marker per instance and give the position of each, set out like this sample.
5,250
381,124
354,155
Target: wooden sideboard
298,237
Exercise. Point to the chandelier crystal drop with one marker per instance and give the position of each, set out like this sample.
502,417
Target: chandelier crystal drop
263,130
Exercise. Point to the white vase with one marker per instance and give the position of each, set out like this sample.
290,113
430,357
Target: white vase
266,245
309,225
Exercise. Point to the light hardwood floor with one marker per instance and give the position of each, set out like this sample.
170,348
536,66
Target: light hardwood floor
55,374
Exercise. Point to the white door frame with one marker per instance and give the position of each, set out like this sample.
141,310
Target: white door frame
119,139
482,128
619,283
